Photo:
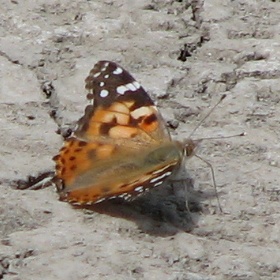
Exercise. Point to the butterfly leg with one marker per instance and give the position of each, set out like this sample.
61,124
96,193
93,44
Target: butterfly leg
43,180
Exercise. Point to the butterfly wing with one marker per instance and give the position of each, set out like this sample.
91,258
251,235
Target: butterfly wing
121,108
120,147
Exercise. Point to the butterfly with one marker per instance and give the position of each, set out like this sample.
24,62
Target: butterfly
121,147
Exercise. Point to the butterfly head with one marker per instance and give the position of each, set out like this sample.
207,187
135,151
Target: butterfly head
190,147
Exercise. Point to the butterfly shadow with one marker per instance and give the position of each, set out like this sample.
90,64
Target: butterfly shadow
163,212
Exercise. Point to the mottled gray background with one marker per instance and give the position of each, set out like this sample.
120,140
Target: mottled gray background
233,48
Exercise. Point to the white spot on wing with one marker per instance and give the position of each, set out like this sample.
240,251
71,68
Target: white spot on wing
75,202
136,84
139,189
161,177
118,71
122,195
104,66
104,93
128,196
102,84
96,75
106,76
160,170
131,87
100,200
121,89
158,183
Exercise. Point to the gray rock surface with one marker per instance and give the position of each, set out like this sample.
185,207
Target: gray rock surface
233,47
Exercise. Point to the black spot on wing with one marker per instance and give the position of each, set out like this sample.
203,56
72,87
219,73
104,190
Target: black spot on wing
105,128
82,144
105,77
150,119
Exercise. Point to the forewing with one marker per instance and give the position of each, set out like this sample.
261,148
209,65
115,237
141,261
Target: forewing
121,108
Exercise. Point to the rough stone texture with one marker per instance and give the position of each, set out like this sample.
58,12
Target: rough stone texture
47,49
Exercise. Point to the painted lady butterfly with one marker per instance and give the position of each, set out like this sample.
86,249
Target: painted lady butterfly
121,146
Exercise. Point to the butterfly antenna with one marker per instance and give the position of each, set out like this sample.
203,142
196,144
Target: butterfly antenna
222,137
207,115
213,179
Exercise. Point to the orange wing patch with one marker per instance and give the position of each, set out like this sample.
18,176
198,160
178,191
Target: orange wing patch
118,121
76,157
